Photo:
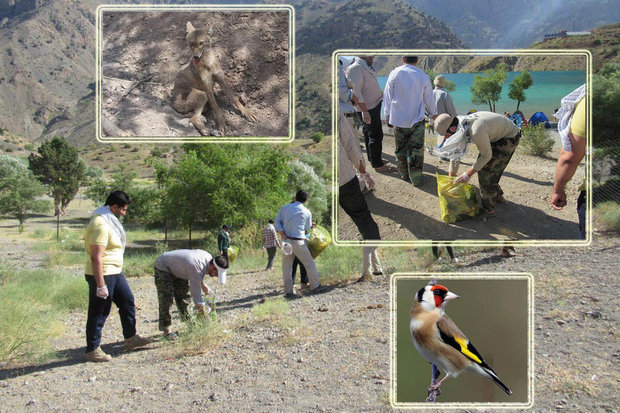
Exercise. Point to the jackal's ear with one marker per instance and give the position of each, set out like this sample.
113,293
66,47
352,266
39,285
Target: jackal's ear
190,27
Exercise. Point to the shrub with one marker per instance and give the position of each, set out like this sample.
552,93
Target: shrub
607,216
317,136
29,147
318,164
536,141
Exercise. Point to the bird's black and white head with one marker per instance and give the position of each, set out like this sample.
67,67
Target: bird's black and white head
432,297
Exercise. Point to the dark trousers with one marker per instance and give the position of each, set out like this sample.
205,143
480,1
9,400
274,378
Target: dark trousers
303,275
271,254
99,309
352,201
373,137
581,212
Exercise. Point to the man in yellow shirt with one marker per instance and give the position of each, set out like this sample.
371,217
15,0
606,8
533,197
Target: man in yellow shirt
105,245
572,129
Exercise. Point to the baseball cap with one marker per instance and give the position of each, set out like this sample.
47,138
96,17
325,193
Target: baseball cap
442,123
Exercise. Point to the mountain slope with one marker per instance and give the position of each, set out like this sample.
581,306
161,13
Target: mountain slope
500,24
357,24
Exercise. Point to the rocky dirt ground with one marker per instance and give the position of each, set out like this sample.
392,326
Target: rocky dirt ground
406,213
334,353
143,51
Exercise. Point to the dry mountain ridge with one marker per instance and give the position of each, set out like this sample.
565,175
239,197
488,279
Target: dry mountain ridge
357,24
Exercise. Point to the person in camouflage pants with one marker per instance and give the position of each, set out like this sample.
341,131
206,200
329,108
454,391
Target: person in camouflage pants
491,173
171,288
410,152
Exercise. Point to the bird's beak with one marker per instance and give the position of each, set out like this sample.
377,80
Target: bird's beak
451,296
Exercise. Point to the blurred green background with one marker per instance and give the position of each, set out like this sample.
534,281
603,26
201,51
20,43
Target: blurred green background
493,314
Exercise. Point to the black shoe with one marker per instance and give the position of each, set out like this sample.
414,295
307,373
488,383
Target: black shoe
292,296
320,289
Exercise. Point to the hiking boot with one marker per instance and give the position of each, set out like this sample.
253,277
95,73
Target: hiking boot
135,342
98,356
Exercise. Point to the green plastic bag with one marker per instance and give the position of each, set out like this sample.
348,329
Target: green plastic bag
457,201
233,252
318,240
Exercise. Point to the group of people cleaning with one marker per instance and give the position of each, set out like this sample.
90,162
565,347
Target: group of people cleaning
408,99
178,274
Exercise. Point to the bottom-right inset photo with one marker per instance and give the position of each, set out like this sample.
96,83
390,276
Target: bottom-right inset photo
462,340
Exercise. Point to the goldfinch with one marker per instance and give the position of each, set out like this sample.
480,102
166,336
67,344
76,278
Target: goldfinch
440,341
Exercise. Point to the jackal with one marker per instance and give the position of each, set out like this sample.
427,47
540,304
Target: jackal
193,85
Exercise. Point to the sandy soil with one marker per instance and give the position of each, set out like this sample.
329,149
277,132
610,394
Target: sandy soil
143,51
407,213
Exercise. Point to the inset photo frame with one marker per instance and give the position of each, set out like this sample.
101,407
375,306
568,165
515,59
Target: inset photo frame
490,325
421,206
195,73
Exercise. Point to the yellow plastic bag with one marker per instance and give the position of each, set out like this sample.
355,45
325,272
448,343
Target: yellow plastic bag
233,252
318,240
457,201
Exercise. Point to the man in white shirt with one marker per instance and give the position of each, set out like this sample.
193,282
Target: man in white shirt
407,91
366,88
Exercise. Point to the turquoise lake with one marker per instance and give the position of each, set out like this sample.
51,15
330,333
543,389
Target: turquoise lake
543,96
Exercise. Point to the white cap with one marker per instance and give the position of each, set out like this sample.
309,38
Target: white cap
221,273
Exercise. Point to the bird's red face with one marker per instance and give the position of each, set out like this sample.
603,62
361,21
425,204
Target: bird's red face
441,295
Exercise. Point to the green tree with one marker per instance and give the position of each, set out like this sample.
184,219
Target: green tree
236,184
58,167
518,86
302,176
144,198
606,105
487,88
20,191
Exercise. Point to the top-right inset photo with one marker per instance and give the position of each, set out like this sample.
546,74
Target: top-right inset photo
472,147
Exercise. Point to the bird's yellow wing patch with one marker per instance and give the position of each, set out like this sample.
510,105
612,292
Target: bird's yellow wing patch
465,350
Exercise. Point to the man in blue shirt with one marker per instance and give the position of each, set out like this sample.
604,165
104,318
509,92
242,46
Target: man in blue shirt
293,221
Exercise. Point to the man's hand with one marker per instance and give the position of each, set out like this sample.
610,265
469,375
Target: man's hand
463,178
366,117
205,288
102,292
370,183
558,199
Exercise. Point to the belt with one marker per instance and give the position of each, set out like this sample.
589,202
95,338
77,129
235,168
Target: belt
296,239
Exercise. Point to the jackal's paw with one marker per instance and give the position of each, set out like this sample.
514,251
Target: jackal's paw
204,131
249,115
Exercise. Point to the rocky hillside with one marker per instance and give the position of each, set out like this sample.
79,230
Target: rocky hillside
357,24
603,43
483,24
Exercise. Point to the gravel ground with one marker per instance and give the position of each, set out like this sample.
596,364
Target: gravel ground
334,353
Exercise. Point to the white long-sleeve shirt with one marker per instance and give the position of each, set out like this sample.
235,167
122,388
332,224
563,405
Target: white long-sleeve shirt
407,91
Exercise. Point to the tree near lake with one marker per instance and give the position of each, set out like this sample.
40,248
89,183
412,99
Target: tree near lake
518,86
487,88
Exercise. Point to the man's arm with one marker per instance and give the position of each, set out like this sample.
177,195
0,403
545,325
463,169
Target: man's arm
96,257
429,99
568,161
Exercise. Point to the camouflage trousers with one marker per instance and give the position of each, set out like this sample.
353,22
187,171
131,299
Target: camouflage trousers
410,152
491,173
171,288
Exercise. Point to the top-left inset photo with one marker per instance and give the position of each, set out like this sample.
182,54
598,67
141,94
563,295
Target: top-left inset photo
195,74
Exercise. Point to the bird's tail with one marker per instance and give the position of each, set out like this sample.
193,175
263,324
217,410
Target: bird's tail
497,381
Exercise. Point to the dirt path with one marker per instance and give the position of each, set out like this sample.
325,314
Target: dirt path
336,356
143,51
405,212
